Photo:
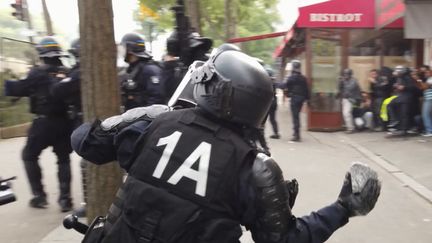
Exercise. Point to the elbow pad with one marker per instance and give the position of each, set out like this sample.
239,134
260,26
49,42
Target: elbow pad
274,217
130,116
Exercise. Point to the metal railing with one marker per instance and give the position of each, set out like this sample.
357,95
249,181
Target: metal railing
16,58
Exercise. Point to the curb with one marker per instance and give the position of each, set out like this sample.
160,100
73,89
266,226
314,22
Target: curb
390,168
14,131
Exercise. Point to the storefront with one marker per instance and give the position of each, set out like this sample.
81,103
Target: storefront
334,35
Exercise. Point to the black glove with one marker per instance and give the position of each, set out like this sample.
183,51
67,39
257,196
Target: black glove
360,200
292,187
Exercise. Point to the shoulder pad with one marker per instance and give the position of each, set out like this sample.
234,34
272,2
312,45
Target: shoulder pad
148,112
266,171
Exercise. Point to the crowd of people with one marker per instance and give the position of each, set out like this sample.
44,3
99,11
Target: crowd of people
399,101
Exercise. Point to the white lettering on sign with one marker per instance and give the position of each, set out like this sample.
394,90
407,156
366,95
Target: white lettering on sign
326,17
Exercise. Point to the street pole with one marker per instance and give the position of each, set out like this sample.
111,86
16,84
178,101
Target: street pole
27,18
47,18
151,35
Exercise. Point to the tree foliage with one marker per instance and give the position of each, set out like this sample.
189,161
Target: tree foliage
253,17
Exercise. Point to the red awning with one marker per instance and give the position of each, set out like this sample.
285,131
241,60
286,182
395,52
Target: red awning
289,35
387,12
256,37
355,14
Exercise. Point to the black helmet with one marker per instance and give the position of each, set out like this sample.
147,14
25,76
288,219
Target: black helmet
195,42
134,44
347,71
173,45
75,48
235,87
49,47
296,65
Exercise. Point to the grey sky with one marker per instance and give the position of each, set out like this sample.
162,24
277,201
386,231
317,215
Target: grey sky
65,14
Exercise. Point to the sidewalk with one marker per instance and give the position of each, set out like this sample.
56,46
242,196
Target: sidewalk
409,159
406,160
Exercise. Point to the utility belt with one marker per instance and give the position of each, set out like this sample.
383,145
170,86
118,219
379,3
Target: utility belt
43,116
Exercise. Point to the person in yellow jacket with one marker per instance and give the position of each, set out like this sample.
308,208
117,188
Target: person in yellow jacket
384,114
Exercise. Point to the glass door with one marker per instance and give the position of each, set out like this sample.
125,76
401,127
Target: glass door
326,56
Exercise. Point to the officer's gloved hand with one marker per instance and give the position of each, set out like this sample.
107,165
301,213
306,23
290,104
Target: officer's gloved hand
360,190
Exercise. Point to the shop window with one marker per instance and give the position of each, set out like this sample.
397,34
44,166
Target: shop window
369,48
326,51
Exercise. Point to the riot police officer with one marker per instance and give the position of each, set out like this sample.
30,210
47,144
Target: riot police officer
194,178
142,85
69,91
174,65
298,91
51,125
402,105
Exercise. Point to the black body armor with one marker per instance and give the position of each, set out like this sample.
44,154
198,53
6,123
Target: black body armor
188,164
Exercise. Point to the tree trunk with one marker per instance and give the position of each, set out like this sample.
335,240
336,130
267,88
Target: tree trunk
194,13
100,93
230,19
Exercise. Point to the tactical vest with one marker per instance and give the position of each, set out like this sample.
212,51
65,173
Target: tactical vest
183,184
41,100
142,85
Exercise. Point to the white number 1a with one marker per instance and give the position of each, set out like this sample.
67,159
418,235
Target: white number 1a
201,153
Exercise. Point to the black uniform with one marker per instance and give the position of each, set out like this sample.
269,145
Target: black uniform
380,90
200,174
171,76
69,90
143,85
50,127
272,114
404,101
298,91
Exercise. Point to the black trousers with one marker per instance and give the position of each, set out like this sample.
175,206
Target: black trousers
296,105
45,132
400,110
272,117
376,110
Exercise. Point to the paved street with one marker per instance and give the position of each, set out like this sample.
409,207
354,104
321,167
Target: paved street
319,164
20,223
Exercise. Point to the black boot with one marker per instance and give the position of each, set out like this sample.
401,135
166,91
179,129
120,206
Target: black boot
275,136
38,201
64,176
65,204
34,176
296,137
